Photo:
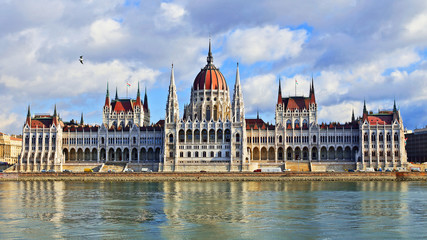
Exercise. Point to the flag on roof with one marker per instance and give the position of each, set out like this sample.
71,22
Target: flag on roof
128,84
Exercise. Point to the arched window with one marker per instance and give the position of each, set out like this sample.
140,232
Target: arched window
204,154
280,139
288,124
305,124
211,135
102,140
237,137
219,154
227,135
365,137
204,135
196,154
188,154
171,138
196,135
189,135
297,125
396,137
388,137
381,137
212,154
181,154
373,138
314,139
134,140
215,113
219,135
208,113
181,136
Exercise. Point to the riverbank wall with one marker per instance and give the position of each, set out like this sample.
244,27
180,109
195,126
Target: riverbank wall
288,176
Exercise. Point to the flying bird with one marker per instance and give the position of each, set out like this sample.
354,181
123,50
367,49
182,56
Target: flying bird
81,59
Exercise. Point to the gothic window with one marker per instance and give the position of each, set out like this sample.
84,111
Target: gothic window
396,137
280,139
102,140
189,135
219,135
373,138
288,124
208,113
305,124
204,154
227,135
134,140
196,154
365,137
237,137
170,154
170,138
46,140
297,125
219,154
215,113
388,137
211,135
237,154
181,136
181,154
204,135
188,154
196,136
212,154
314,138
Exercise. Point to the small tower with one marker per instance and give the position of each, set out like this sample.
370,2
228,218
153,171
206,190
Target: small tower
81,120
28,121
55,117
365,112
146,109
172,107
238,106
312,96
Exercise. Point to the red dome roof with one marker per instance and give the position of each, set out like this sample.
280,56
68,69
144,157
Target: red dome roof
210,78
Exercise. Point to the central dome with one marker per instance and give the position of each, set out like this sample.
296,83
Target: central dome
210,78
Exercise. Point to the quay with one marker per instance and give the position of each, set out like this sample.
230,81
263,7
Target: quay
218,176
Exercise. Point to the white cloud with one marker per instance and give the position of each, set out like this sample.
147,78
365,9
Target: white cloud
106,31
266,43
260,92
169,16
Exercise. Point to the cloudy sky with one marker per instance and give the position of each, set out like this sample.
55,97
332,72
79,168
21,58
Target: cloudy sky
356,50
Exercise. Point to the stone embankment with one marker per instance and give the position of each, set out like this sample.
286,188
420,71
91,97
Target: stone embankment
288,176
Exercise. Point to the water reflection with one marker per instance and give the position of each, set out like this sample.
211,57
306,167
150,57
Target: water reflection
220,210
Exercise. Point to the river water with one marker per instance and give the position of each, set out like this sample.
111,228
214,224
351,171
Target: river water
213,210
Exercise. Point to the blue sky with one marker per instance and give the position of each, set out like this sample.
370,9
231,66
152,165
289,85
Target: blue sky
356,50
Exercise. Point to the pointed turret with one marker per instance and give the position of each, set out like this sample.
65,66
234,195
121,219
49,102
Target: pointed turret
394,106
81,120
172,107
145,99
210,57
365,112
395,111
237,106
312,96
107,97
138,97
279,95
28,121
352,116
117,95
55,116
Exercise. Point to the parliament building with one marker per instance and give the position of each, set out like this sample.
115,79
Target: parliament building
212,134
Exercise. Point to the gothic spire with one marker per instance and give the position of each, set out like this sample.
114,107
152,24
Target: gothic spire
117,95
364,106
210,58
54,111
28,113
28,121
279,95
352,116
81,120
107,97
172,107
394,106
237,105
138,94
145,99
